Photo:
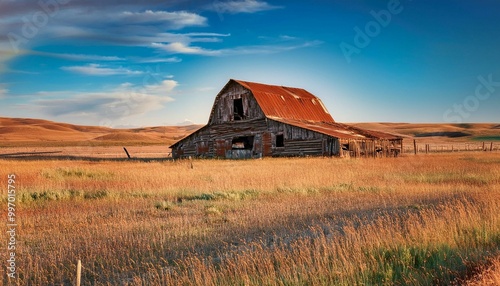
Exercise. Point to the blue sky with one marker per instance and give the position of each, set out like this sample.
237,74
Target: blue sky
147,63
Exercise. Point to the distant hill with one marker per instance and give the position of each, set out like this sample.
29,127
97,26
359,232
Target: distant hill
39,132
438,131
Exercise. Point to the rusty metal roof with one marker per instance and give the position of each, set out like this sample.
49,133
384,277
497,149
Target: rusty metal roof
282,102
298,107
339,130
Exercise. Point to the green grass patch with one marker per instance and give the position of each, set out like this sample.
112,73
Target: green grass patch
447,178
414,265
216,196
48,195
486,138
98,194
78,173
430,264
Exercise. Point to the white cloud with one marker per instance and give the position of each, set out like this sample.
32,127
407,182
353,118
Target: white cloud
242,6
161,60
180,48
79,57
287,38
102,22
3,91
115,104
100,70
175,20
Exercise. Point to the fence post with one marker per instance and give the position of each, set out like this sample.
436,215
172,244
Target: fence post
491,146
79,273
128,155
415,146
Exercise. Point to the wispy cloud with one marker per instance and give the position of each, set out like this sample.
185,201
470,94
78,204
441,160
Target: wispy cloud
287,38
100,70
113,104
159,60
79,57
111,22
242,6
176,20
180,48
3,91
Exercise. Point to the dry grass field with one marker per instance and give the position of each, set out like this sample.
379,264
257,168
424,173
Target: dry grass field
412,220
417,220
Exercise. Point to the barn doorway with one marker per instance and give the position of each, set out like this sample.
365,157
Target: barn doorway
241,148
243,143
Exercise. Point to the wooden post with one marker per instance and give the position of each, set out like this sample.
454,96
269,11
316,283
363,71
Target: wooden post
491,146
79,273
374,149
415,146
483,147
128,155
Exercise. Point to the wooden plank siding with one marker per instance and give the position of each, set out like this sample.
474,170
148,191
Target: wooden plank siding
215,141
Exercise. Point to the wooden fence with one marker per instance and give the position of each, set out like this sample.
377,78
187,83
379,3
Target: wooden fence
422,147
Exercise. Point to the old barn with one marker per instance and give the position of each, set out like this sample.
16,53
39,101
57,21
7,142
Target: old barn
253,120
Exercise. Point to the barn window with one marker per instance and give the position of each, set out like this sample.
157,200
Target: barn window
280,140
238,109
245,142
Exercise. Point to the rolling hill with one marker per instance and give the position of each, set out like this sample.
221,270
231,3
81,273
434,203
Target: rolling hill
39,132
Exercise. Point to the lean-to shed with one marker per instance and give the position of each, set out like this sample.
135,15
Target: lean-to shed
253,120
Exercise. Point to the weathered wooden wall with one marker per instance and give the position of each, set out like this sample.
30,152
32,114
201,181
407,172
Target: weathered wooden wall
371,148
215,140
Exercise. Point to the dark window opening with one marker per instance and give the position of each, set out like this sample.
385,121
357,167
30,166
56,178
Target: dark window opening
238,109
280,140
245,143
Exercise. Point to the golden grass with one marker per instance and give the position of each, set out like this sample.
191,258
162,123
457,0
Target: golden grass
411,220
489,276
